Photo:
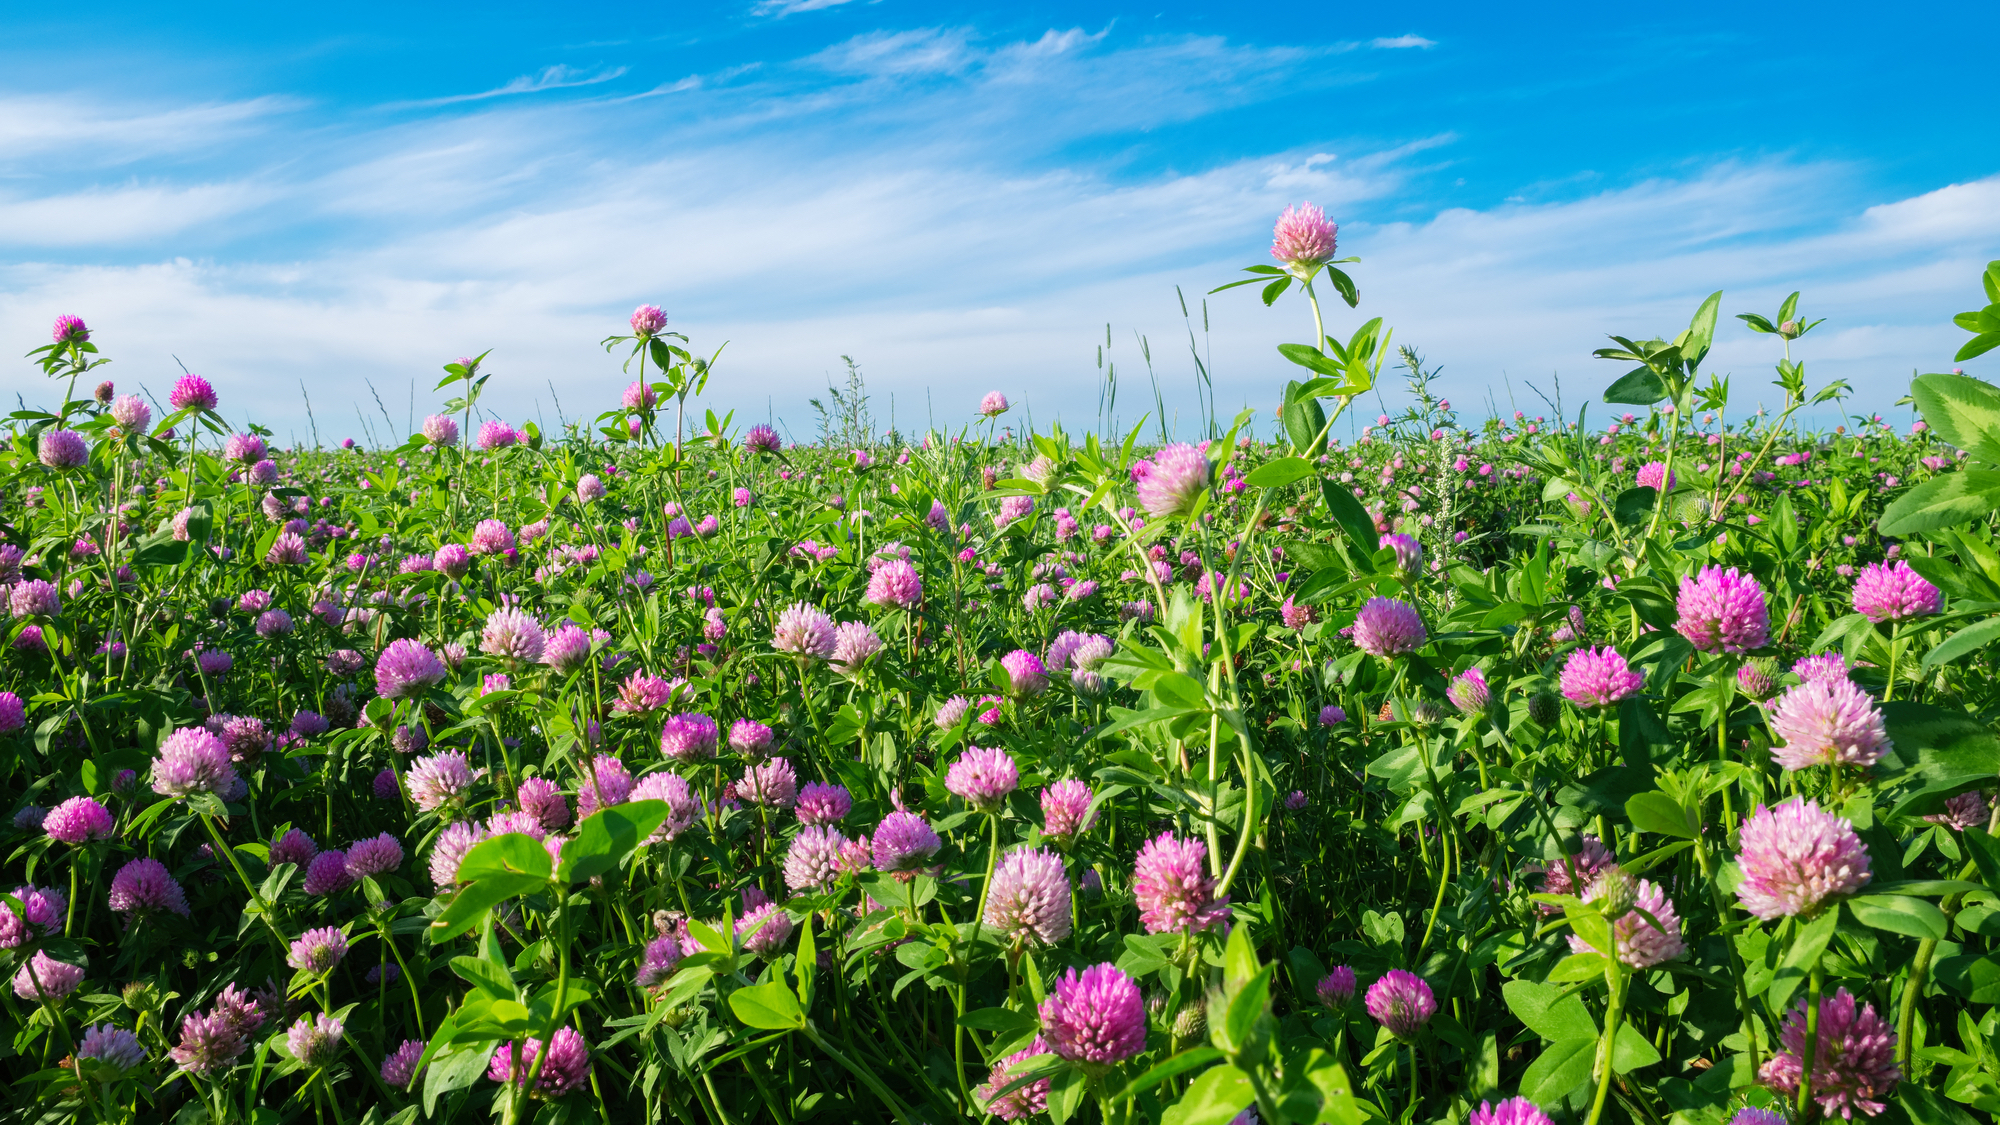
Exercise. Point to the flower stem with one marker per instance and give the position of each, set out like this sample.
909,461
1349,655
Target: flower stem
1807,1109
1614,976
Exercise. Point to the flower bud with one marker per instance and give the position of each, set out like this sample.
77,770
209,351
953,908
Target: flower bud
1614,893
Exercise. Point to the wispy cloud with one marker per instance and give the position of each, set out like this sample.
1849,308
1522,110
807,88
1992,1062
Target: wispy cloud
93,133
892,53
1401,42
782,8
550,78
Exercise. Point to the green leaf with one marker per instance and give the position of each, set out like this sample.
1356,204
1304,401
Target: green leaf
1561,1067
998,1019
1950,753
605,837
1963,411
769,1006
1970,639
1641,386
1548,1011
1807,945
1630,1050
1985,854
472,902
1248,1006
1657,812
1701,331
1351,516
1635,506
1943,501
1177,689
1215,1098
1179,1064
1278,473
1898,914
515,853
1312,359
1578,966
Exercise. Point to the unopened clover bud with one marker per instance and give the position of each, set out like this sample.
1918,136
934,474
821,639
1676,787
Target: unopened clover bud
1614,893
1190,1021
1791,329
141,996
1543,707
1428,711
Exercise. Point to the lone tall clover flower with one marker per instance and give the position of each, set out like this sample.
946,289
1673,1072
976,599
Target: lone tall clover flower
1175,478
1598,677
648,320
193,392
1854,1057
1795,857
1095,1017
1304,238
1029,899
1723,611
1172,886
1402,1002
1388,627
1894,592
1828,723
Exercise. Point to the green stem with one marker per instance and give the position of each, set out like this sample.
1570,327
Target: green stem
1806,1109
1614,976
867,1077
257,897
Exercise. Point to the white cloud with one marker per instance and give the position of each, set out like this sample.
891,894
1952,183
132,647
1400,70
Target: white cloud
1401,41
886,218
121,216
895,53
550,78
782,8
89,133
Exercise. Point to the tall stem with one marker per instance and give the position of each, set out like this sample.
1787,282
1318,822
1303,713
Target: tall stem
1614,976
1807,1110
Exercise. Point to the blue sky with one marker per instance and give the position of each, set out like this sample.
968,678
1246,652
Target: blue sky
963,197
